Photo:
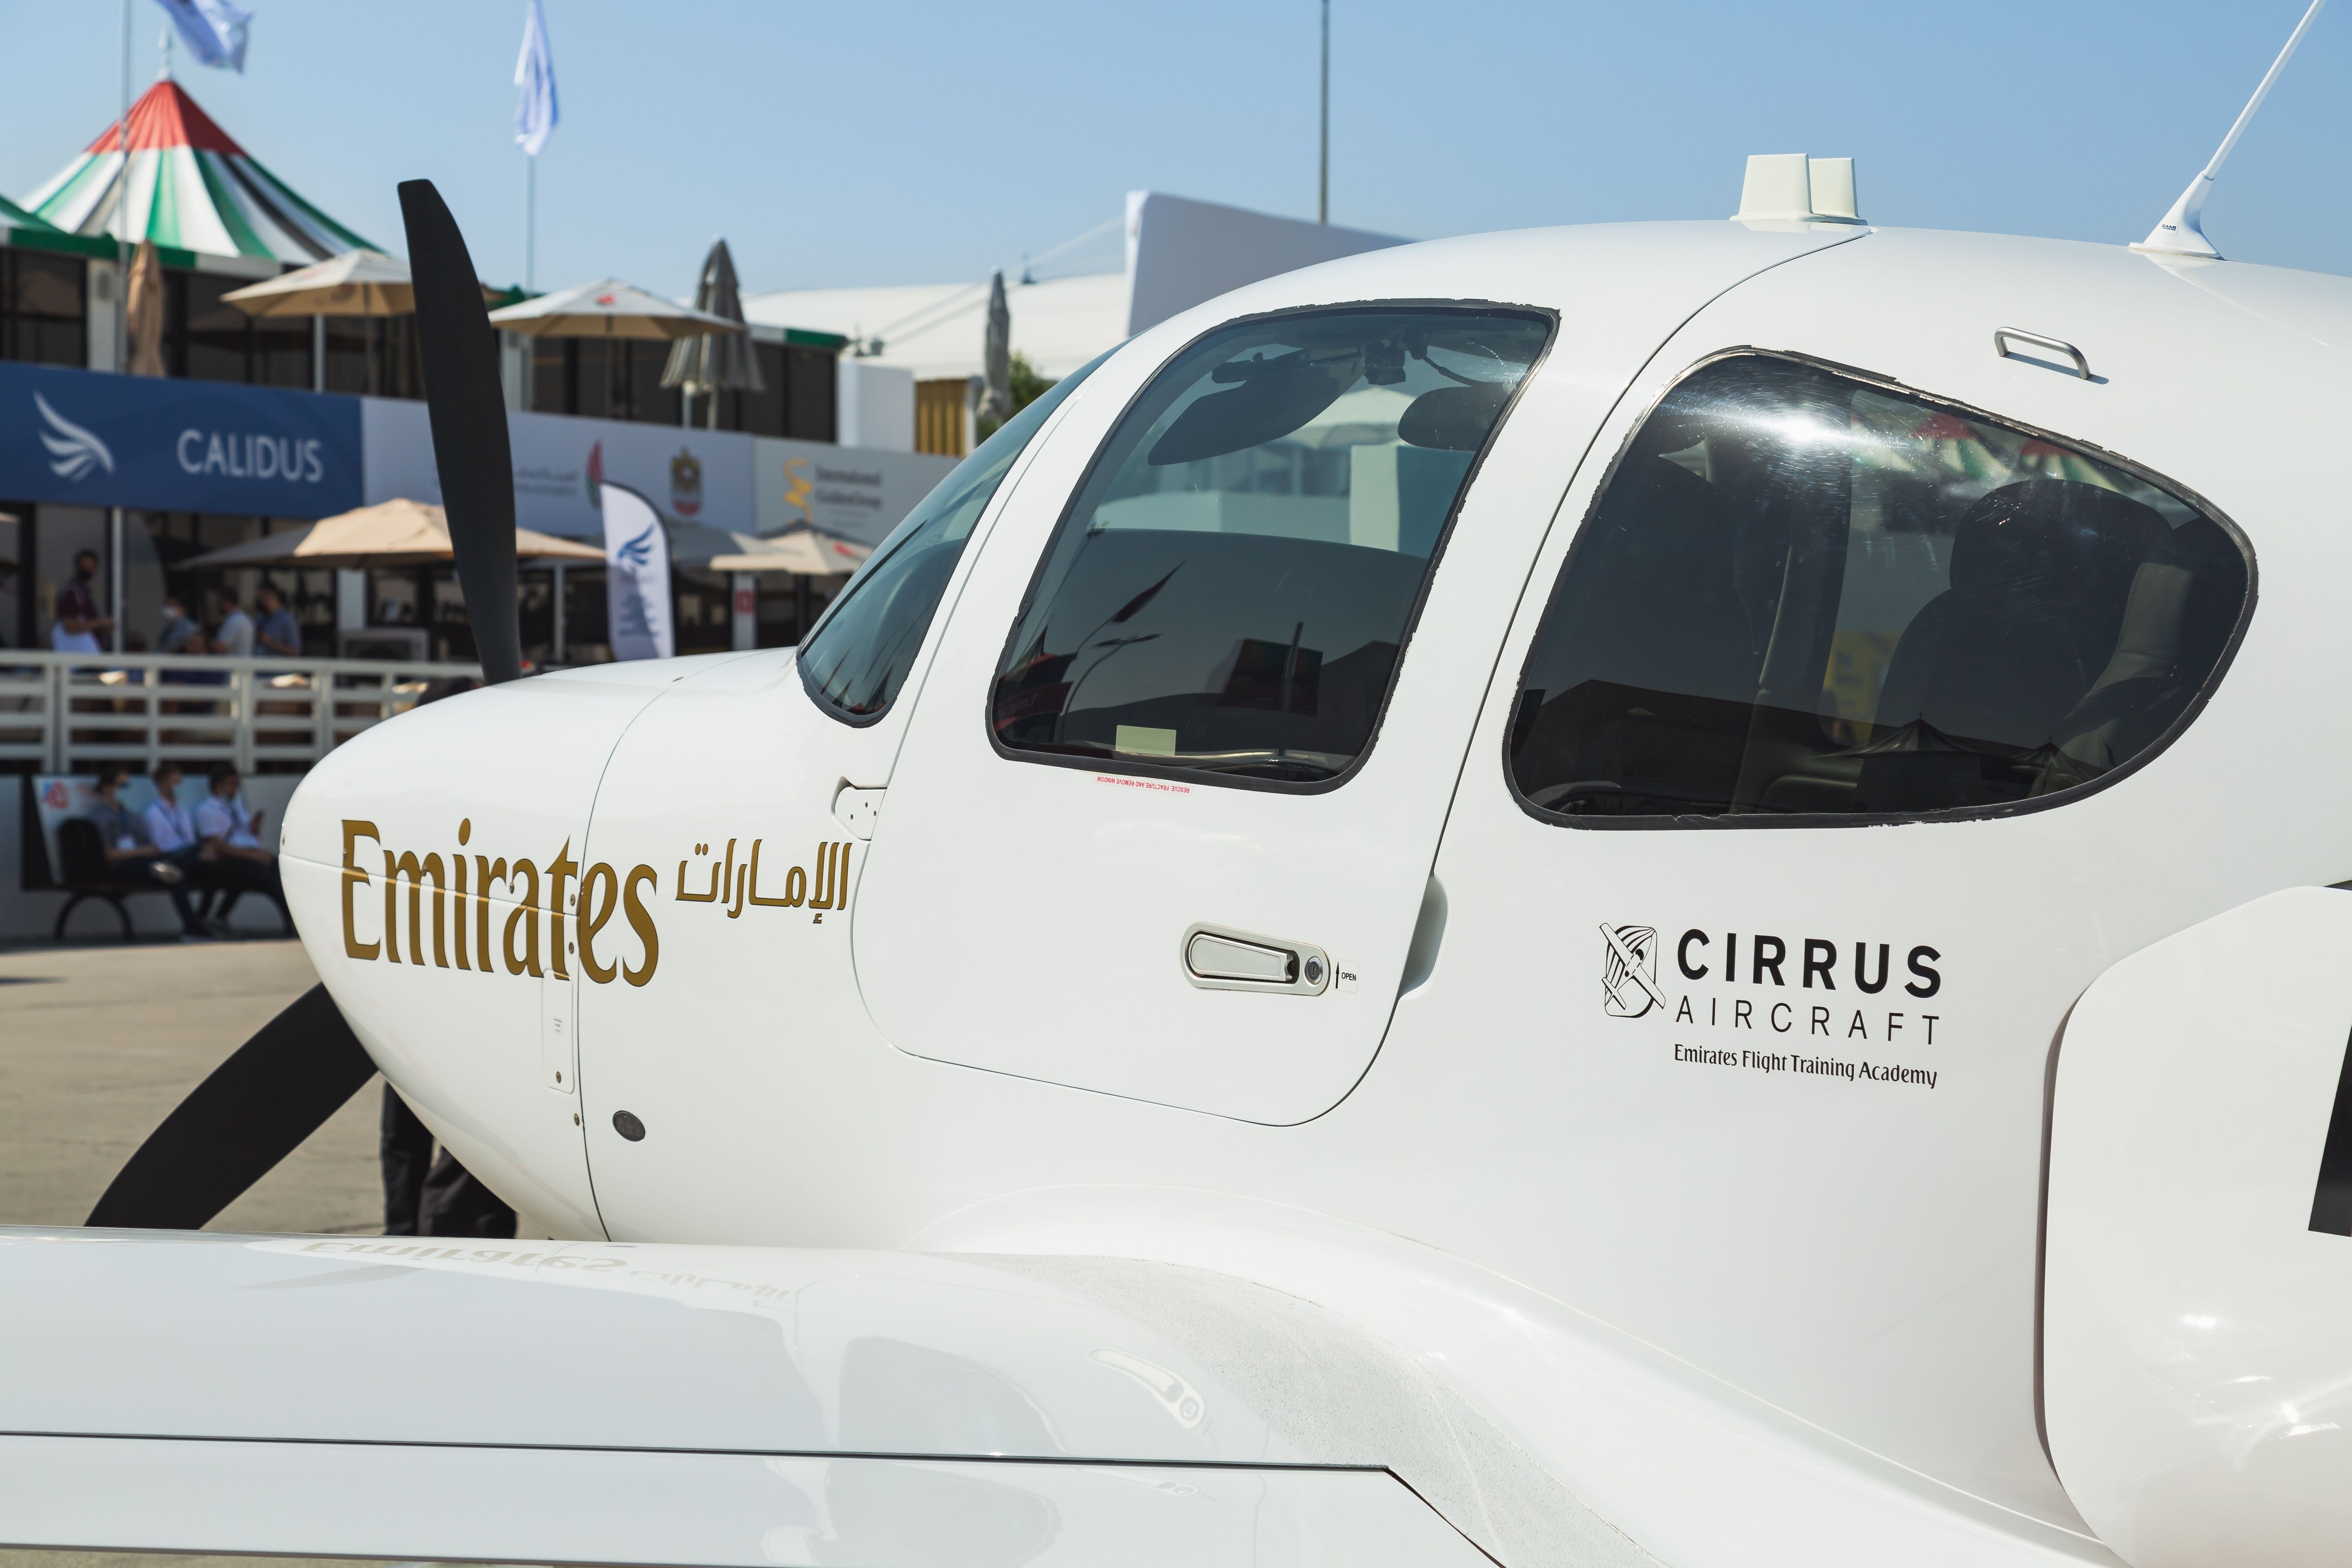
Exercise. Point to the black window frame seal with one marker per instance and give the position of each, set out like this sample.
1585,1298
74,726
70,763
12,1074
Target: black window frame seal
1727,822
1549,315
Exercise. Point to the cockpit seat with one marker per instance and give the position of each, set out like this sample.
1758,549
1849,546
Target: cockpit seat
2040,571
2183,605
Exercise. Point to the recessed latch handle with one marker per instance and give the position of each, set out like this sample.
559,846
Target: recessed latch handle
1216,958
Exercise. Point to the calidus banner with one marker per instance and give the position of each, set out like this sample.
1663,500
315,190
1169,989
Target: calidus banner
72,436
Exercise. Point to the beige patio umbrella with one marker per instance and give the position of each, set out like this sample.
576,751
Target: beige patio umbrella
390,534
356,283
802,553
608,310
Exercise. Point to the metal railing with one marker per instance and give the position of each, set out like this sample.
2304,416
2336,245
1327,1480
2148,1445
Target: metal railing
65,712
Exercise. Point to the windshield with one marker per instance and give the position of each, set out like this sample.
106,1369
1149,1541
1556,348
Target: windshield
857,658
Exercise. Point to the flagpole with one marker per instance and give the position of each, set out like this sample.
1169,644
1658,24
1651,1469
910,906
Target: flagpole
1323,153
114,541
122,207
531,222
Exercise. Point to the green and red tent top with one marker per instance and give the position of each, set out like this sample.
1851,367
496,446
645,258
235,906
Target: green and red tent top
22,231
191,188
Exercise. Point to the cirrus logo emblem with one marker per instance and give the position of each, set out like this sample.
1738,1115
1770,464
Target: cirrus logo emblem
1629,971
74,453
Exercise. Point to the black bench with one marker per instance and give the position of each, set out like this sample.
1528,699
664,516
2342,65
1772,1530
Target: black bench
86,874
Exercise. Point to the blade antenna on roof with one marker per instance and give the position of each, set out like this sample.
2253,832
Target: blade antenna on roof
467,408
2178,233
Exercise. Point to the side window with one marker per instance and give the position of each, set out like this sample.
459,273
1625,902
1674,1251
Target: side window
1801,593
855,658
1236,577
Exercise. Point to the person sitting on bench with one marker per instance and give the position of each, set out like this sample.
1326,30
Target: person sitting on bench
171,828
232,837
130,853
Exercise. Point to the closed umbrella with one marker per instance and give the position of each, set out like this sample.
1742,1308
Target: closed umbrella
608,310
996,356
716,360
143,312
390,534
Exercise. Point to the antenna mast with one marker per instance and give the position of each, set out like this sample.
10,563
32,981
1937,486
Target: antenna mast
2177,234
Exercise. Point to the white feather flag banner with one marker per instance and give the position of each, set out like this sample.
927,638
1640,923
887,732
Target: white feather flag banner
636,576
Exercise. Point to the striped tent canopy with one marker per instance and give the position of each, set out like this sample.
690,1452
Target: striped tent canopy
14,216
191,188
21,230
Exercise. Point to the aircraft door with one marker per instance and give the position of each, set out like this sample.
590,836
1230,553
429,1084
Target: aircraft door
1165,816
1848,732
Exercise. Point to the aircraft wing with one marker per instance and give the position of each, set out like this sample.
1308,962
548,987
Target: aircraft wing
591,1402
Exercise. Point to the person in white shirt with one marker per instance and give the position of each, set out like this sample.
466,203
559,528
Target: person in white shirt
172,828
132,859
231,835
235,634
172,825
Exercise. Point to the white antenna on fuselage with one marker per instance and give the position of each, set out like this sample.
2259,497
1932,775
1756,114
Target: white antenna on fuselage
2179,233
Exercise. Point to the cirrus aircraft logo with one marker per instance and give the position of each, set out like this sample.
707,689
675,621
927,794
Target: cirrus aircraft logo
74,453
1629,971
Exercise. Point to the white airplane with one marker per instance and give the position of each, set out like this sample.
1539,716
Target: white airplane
1656,893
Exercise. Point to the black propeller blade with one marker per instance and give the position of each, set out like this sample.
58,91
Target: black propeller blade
468,411
278,1088
274,1091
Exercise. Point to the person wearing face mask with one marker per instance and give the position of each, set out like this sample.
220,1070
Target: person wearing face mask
179,627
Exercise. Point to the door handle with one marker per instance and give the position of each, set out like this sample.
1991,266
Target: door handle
1218,958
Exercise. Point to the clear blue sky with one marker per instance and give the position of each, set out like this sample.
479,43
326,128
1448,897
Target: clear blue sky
849,143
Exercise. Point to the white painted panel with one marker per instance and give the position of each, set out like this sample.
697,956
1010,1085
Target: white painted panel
782,1512
2196,1351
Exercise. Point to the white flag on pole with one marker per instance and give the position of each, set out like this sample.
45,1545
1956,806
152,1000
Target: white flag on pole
536,114
214,31
636,576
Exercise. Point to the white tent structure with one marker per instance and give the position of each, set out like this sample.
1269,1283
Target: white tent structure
189,187
1179,253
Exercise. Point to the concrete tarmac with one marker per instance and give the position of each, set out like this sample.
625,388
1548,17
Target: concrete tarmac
98,1043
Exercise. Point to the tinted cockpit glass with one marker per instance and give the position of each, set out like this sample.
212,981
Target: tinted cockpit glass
857,658
1234,580
1802,594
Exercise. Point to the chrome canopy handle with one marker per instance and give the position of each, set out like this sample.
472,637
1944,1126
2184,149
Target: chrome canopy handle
2003,336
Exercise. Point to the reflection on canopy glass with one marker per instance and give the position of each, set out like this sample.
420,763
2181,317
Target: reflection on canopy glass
857,657
1801,594
1232,584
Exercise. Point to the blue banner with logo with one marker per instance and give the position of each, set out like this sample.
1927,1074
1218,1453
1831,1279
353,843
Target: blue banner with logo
95,439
